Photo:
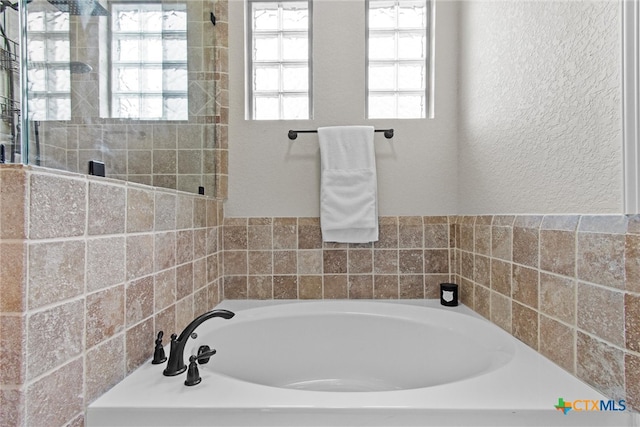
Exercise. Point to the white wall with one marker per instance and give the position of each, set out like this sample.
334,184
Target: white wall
540,114
272,176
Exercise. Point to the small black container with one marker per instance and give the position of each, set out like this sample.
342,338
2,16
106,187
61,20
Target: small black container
449,294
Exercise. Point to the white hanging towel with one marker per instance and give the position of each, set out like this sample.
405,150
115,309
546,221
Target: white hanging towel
348,184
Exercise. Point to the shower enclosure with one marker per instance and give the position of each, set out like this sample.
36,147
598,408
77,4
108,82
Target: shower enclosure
124,88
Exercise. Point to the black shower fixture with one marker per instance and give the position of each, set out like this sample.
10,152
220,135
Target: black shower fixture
80,7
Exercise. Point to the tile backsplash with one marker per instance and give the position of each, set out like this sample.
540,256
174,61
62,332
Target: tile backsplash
92,268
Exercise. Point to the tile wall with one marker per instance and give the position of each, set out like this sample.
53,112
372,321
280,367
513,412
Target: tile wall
568,285
90,270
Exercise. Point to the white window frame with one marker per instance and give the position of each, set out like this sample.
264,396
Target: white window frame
164,93
250,112
427,63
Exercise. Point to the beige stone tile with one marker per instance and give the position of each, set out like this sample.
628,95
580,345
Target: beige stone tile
140,341
310,261
59,396
164,250
612,224
310,287
165,211
467,242
501,277
525,246
335,286
235,237
465,292
260,287
12,200
467,265
285,233
482,301
501,311
184,280
105,262
139,300
165,320
410,261
12,277
164,289
632,380
482,271
360,261
525,324
285,262
140,210
334,261
436,236
524,286
557,342
285,287
558,297
632,322
600,365
411,286
385,261
560,222
558,252
235,287
632,262
410,231
184,312
259,237
65,323
309,234
105,315
235,262
139,255
201,301
107,210
12,349
105,365
482,241
501,242
387,233
184,246
601,259
360,286
385,286
436,261
260,262
57,206
11,402
601,312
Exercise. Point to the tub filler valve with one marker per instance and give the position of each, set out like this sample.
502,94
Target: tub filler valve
175,365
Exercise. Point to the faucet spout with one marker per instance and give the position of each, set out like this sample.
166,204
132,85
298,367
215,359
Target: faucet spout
176,365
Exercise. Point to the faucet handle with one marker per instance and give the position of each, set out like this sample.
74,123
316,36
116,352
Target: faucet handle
204,354
158,353
193,374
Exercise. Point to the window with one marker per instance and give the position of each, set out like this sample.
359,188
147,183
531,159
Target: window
149,61
48,74
397,61
278,60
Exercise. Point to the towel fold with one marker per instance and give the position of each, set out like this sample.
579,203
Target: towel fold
348,187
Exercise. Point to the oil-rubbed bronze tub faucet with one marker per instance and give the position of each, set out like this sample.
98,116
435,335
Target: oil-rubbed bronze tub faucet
175,365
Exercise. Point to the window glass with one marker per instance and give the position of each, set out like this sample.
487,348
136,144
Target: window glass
149,61
397,68
279,68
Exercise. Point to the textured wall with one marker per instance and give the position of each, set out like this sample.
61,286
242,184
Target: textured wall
540,118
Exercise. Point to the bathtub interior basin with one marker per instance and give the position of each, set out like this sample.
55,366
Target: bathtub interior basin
325,348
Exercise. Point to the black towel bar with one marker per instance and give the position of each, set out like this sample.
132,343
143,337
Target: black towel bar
293,134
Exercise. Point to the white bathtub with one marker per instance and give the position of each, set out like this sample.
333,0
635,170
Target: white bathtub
348,363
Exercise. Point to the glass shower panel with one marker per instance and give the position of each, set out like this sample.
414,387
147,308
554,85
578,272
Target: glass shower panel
129,84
